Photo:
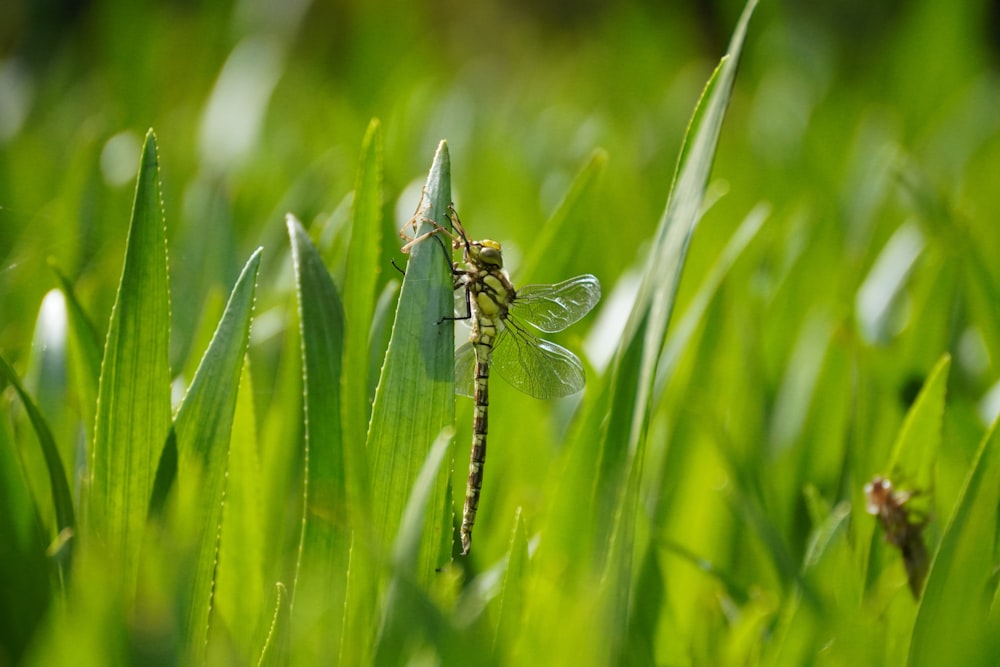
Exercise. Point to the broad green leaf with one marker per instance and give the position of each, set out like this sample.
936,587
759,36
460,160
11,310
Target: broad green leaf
415,398
317,605
133,406
952,625
203,429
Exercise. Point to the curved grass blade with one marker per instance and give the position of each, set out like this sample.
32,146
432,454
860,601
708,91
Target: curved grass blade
317,604
133,406
85,351
415,396
634,371
953,624
62,499
202,429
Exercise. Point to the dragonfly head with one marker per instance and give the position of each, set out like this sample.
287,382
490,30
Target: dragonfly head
486,252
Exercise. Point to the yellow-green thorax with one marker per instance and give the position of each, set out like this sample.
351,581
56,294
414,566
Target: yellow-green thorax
490,289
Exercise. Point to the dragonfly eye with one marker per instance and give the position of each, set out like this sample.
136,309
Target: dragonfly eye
489,253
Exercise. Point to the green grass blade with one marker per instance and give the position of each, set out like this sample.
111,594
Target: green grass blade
415,398
203,428
133,407
920,436
560,241
633,374
240,593
318,597
62,499
359,308
951,625
25,577
512,593
85,352
359,288
404,613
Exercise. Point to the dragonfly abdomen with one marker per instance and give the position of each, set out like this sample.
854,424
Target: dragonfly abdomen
480,429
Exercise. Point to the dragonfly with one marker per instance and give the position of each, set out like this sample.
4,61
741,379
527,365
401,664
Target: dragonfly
499,338
903,528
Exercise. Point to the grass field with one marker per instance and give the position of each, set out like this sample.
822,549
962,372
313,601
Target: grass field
229,432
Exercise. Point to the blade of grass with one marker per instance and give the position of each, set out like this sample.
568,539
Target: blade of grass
62,499
558,243
85,352
317,604
415,397
511,603
203,428
634,371
407,611
951,625
240,593
133,406
359,309
25,576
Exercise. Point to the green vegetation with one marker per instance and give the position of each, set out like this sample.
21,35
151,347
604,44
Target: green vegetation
229,433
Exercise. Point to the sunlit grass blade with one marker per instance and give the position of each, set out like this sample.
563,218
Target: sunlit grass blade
633,373
559,241
952,620
240,595
512,593
407,612
133,406
202,430
359,308
317,604
415,397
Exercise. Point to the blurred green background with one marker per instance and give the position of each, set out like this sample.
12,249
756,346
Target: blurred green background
260,106
871,129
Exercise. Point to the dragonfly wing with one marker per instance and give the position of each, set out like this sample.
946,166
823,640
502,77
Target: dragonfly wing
537,367
465,369
552,308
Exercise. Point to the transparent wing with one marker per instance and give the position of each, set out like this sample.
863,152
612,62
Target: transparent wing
537,367
552,308
465,369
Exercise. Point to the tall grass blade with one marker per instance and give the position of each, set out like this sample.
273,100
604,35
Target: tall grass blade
952,621
359,309
203,429
634,371
317,605
415,397
62,499
133,405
